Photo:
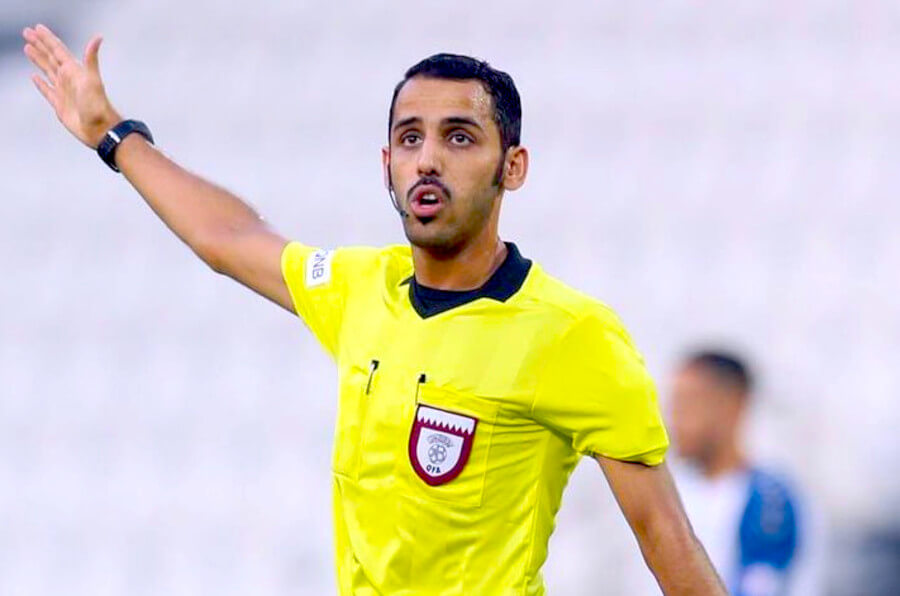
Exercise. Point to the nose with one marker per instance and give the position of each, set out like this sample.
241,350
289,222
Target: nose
430,160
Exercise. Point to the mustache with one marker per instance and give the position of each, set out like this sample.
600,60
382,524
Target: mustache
429,181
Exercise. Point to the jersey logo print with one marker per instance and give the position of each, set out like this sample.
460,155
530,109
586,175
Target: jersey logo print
318,268
440,443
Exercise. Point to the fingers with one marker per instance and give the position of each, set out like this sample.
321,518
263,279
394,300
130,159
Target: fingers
40,55
57,48
45,89
32,37
42,60
91,54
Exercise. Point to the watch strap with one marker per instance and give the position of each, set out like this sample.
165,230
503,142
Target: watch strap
106,149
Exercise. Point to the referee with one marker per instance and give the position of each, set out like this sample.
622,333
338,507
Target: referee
471,381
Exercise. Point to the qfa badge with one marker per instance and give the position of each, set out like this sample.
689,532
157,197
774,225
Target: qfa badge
440,443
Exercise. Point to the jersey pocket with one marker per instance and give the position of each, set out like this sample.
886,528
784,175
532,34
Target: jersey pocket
351,419
446,451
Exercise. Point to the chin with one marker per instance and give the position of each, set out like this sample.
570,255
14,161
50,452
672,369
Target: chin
431,237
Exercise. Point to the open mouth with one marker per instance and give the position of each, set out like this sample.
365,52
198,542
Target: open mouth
427,201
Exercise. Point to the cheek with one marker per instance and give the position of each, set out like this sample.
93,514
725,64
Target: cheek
402,168
477,169
475,192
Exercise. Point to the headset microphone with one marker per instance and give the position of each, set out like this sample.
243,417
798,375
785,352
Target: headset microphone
396,204
393,196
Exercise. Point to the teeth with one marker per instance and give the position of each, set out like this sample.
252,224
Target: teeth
430,197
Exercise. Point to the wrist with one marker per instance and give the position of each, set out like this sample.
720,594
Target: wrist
102,125
112,139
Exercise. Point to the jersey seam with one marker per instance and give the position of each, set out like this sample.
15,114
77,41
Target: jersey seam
574,311
287,278
301,299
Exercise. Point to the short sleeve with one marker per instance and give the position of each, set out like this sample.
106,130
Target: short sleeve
596,391
320,283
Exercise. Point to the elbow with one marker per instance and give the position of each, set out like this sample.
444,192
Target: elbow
210,250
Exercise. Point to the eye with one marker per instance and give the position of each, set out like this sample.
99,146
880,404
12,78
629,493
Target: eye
410,138
461,139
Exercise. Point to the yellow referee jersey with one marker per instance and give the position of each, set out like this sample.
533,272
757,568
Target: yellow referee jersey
462,414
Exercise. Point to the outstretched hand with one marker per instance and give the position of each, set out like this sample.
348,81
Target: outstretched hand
74,89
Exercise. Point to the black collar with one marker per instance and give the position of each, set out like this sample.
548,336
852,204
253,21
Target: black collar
501,286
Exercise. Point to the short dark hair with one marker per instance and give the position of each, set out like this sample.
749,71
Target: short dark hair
507,104
725,366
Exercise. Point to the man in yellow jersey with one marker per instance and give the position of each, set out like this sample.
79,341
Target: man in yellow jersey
471,381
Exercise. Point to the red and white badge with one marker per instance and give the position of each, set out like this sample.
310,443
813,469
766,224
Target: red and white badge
440,443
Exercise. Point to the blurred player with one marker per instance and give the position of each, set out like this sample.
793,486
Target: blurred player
750,521
471,381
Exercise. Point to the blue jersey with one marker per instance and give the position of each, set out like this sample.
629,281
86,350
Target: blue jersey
768,538
755,531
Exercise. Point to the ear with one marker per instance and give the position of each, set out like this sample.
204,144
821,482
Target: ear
386,167
515,167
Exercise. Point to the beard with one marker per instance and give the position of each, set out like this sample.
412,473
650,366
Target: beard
445,234
433,237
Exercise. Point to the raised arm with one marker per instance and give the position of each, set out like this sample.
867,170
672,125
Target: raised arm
223,231
648,498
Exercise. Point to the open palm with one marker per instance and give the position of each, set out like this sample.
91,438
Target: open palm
74,89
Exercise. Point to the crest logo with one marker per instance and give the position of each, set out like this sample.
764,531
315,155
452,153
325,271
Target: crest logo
440,443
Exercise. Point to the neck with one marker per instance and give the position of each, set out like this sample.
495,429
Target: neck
465,269
723,461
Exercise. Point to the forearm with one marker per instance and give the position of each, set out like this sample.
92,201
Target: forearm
202,214
680,563
225,232
651,505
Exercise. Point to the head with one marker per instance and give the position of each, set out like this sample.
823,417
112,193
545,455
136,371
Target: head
453,150
709,397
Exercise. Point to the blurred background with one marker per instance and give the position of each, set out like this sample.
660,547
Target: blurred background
714,171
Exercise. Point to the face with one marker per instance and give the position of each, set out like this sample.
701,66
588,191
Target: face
704,414
443,162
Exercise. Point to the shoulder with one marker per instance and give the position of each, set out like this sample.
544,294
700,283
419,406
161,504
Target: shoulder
344,267
355,258
374,254
368,267
398,252
589,339
574,308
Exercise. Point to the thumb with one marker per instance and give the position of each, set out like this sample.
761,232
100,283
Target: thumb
91,59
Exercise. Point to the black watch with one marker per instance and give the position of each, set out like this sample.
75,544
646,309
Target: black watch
110,141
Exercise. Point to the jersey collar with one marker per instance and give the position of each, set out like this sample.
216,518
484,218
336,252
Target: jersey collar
501,286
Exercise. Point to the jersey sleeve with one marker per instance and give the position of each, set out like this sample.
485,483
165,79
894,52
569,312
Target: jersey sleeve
321,282
596,391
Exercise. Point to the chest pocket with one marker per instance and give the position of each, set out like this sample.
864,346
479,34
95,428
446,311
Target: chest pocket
446,447
356,386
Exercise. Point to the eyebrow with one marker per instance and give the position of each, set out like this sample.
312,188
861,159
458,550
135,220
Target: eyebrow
462,120
406,122
450,120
